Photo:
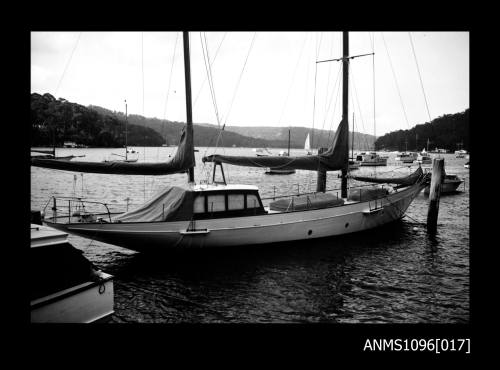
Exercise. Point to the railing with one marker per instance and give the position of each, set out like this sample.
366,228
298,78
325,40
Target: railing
78,206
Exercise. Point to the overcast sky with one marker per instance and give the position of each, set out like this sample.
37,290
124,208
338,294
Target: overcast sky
277,85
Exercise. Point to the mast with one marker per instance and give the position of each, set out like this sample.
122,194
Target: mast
189,112
289,142
352,138
126,133
345,102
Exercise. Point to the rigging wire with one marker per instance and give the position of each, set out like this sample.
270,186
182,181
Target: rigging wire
337,90
170,78
213,61
355,98
419,76
219,136
142,74
206,59
67,63
315,84
373,66
293,79
208,69
241,75
153,180
395,80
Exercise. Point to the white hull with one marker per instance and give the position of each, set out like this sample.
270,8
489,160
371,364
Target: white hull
250,230
83,303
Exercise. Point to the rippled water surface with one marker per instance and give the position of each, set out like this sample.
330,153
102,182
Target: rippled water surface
395,274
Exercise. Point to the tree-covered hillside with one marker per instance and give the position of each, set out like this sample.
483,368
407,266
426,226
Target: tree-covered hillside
54,121
450,131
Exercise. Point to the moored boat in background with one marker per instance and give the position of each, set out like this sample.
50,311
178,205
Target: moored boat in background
449,185
371,159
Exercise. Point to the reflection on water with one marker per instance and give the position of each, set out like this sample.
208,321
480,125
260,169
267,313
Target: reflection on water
398,273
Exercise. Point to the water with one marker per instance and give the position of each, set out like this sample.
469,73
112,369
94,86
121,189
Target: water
395,274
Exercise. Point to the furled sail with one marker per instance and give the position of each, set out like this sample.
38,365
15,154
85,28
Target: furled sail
44,151
183,159
335,158
405,180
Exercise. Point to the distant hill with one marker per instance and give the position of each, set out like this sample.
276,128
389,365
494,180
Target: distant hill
298,136
204,135
450,131
54,121
253,137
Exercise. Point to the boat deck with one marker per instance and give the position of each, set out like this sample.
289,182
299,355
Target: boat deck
44,235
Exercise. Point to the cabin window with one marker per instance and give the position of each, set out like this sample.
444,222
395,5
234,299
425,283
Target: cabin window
216,203
199,204
235,201
252,201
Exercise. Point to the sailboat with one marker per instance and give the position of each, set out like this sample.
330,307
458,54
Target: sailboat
279,171
307,145
127,150
228,215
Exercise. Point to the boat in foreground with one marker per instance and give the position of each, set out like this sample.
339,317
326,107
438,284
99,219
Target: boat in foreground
234,215
64,286
222,215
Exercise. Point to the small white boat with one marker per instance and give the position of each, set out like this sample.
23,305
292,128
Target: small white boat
353,165
423,158
467,165
460,153
64,286
450,184
407,157
262,152
277,171
371,159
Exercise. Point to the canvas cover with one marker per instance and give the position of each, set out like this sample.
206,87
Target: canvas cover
405,180
365,194
171,203
304,202
181,162
335,158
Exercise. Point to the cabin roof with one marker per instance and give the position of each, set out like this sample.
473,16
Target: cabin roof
209,187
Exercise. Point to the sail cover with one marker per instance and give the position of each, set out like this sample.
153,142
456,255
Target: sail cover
183,159
335,158
44,151
171,203
405,180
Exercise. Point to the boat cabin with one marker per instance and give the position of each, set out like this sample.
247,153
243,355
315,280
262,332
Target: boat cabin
226,201
198,202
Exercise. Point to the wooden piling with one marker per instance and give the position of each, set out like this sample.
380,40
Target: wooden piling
321,181
435,192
